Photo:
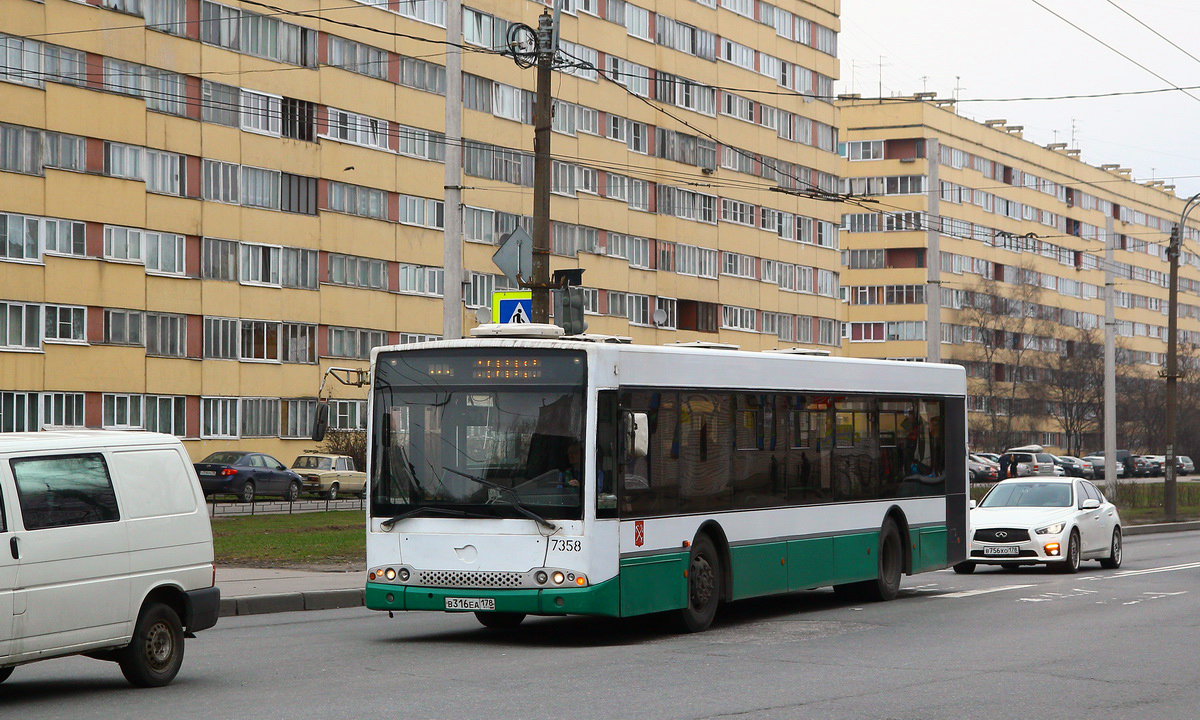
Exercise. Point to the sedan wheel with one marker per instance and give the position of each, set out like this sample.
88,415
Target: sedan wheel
293,492
1116,552
1071,564
333,492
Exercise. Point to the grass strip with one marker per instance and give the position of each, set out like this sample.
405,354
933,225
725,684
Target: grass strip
320,538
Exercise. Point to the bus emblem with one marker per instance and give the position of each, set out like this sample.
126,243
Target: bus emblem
639,533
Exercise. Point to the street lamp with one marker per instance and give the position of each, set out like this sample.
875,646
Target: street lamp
1173,249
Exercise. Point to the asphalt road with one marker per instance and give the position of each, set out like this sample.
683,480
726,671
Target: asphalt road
996,644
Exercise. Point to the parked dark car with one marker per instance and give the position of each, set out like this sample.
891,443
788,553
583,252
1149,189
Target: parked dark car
247,475
1133,465
1074,466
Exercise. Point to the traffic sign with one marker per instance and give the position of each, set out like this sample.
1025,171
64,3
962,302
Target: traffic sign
512,306
515,256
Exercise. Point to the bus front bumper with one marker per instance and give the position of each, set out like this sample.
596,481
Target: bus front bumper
600,599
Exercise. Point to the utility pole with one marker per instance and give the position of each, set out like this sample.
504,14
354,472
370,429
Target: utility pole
542,171
452,254
1110,360
1170,506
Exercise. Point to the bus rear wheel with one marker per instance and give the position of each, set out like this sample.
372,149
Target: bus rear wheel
703,587
500,620
886,585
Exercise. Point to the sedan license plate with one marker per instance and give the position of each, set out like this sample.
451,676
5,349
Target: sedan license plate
453,603
1002,550
207,473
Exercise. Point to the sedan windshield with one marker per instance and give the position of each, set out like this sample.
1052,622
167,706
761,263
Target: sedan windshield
1028,494
491,440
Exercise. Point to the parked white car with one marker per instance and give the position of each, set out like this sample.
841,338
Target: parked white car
108,551
1044,520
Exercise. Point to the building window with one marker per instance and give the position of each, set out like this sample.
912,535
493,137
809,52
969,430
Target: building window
297,418
122,412
358,200
669,313
299,119
220,260
63,237
164,253
423,212
166,414
18,412
638,309
164,172
221,338
123,161
737,318
299,268
354,342
20,326
348,414
123,327
260,113
122,243
260,264
62,410
298,194
421,280
65,324
166,335
260,187
260,417
220,103
259,340
358,272
219,418
299,343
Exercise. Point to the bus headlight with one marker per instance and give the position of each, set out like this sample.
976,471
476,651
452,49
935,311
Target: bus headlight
390,574
558,577
540,577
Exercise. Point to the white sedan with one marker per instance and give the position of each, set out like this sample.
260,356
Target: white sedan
1048,520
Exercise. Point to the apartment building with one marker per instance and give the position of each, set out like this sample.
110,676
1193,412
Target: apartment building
204,205
973,245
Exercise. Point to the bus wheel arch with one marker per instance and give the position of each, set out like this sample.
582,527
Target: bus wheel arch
897,516
715,533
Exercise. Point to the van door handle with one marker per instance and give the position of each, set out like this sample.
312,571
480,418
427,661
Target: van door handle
12,546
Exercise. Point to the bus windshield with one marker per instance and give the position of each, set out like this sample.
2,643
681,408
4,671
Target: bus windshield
494,436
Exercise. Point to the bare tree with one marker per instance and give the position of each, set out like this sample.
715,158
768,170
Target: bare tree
1006,322
1074,388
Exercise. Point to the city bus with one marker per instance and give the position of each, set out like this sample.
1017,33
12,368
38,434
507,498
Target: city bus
517,476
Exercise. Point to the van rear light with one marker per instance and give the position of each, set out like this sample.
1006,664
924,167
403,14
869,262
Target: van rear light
229,471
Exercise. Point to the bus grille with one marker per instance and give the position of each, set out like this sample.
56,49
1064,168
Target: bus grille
1011,535
464,579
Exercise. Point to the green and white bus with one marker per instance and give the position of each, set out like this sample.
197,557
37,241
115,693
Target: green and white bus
517,476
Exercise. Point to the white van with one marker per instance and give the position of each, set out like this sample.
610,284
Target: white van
105,550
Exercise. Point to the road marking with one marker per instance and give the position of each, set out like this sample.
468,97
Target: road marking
1167,568
970,593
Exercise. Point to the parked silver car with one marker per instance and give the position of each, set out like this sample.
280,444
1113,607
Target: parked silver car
1029,460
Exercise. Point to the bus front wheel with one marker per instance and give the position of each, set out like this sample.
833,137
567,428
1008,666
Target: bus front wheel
500,620
703,587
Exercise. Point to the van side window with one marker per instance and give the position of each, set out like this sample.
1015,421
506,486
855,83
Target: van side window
3,521
64,490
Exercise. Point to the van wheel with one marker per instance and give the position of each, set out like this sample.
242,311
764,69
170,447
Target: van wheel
333,492
293,492
247,492
5,672
154,656
703,587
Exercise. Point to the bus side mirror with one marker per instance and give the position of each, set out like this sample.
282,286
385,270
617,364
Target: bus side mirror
637,434
321,421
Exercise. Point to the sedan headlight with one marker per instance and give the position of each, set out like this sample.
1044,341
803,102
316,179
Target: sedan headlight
1054,529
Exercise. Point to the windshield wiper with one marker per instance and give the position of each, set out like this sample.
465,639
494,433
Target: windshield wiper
387,524
514,499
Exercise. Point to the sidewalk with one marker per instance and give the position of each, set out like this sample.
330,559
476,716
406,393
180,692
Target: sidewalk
252,591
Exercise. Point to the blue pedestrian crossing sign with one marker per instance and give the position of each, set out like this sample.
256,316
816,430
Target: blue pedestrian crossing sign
512,307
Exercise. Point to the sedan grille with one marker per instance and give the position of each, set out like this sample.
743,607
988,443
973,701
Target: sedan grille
993,535
467,579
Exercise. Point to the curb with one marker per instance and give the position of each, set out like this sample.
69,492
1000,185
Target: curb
354,597
1161,528
291,602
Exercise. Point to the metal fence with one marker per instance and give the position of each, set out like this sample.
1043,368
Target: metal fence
230,507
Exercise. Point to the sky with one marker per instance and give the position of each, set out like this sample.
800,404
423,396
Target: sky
979,50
